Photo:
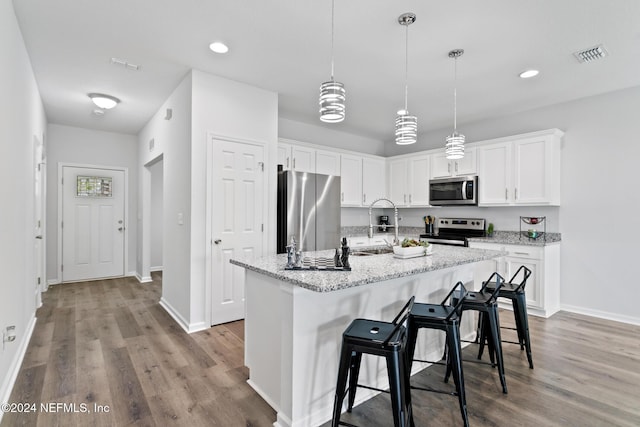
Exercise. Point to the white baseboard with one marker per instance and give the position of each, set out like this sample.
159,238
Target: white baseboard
601,314
157,268
188,327
11,376
145,279
53,282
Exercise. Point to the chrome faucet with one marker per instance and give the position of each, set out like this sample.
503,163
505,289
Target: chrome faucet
396,241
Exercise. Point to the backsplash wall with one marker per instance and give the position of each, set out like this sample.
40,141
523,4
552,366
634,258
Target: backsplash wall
503,218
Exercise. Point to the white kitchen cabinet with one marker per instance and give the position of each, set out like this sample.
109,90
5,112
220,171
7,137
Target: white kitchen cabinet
298,158
543,287
350,180
327,163
373,180
441,167
522,170
408,183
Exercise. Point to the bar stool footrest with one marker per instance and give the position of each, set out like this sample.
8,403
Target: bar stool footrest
433,390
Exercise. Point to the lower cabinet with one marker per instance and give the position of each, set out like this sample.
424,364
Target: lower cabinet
543,287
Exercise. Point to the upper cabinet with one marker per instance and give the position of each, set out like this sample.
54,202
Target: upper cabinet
298,158
350,180
373,180
523,170
408,183
362,180
441,167
328,163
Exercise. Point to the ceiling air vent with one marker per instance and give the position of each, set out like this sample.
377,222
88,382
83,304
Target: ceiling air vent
591,54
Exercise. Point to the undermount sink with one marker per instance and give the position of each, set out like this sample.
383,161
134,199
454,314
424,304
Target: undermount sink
368,252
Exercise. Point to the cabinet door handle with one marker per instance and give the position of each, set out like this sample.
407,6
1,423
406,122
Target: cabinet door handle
506,194
456,167
449,168
409,198
364,198
342,196
294,162
516,194
287,162
522,253
405,198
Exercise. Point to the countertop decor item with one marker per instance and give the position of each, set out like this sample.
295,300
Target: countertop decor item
454,146
332,93
406,125
490,230
533,232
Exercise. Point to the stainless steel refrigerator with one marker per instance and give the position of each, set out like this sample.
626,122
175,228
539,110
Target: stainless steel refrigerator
309,210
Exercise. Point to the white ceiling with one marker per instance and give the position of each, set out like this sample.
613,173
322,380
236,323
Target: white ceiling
284,46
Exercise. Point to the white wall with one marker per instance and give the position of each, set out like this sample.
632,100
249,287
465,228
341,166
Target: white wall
323,135
22,118
156,215
225,108
68,144
600,153
172,141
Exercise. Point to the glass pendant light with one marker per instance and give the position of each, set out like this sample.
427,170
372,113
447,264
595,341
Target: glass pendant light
332,93
406,125
454,147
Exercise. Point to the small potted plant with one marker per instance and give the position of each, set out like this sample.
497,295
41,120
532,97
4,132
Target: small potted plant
490,230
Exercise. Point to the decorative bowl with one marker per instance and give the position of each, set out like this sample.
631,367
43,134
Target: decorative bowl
411,250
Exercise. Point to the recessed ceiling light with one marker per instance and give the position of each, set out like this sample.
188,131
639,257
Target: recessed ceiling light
219,47
103,101
528,74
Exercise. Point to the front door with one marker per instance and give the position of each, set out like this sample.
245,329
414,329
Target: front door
237,197
93,228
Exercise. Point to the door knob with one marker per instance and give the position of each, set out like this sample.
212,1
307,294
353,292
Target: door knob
120,228
217,241
39,237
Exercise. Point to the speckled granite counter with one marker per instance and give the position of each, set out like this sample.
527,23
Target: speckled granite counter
366,269
515,238
294,321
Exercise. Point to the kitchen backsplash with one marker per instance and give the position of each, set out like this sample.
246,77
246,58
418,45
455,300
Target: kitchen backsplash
503,218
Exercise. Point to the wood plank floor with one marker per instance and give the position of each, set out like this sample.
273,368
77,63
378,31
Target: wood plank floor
109,345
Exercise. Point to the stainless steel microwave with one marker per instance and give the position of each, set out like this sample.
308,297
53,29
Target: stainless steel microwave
460,190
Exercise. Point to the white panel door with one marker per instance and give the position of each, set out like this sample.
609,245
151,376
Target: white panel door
39,203
93,227
238,193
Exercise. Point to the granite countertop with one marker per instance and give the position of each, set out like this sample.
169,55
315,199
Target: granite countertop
515,238
365,269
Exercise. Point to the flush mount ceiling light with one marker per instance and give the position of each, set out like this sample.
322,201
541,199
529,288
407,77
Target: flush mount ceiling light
219,47
454,147
406,125
332,93
527,74
103,101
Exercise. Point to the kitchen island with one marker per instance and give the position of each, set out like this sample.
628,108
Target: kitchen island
295,319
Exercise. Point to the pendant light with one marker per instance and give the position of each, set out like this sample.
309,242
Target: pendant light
406,125
454,146
332,93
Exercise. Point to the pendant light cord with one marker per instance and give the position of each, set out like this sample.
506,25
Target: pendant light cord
406,69
333,4
455,94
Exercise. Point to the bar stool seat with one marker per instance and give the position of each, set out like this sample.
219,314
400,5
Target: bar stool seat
443,317
516,293
385,339
485,302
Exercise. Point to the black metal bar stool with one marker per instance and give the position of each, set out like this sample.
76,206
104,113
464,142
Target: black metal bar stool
380,339
485,302
444,317
515,292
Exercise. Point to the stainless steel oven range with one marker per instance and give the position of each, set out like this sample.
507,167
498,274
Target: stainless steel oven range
456,231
